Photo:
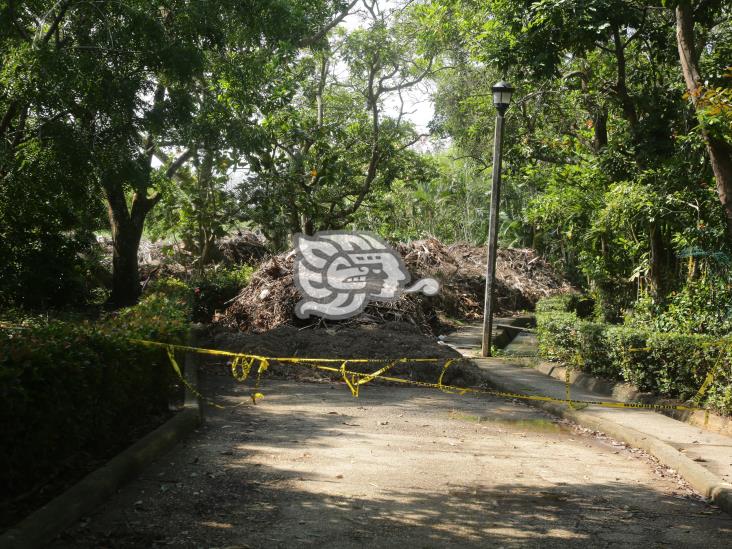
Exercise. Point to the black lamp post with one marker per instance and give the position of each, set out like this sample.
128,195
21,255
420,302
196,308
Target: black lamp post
502,92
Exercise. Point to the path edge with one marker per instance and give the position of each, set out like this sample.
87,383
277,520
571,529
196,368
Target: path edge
701,479
627,392
44,524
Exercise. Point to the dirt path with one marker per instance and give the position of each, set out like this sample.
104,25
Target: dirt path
312,466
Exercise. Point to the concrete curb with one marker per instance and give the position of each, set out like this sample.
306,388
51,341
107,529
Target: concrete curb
701,479
43,525
502,335
625,392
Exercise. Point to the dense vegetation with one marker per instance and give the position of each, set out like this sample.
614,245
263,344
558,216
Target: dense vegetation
669,364
76,392
190,119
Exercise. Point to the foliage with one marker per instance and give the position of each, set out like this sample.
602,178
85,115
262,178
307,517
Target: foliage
558,336
702,306
447,198
116,85
606,167
669,364
215,287
78,388
321,156
47,213
199,207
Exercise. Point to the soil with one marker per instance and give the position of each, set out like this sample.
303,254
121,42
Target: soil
389,341
310,466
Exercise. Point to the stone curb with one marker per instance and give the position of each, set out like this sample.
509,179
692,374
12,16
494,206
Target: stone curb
625,392
701,479
44,524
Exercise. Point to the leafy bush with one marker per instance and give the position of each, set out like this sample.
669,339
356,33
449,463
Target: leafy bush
668,364
626,352
583,306
561,303
719,393
681,362
702,306
215,287
558,337
73,389
593,349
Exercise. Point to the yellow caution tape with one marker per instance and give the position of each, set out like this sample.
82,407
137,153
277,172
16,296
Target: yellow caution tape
243,363
170,349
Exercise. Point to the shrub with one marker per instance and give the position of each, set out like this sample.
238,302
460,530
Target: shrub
719,394
593,355
560,303
72,389
681,362
564,337
582,306
625,347
668,364
215,287
558,336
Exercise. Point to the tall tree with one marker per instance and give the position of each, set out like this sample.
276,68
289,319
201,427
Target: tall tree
343,134
127,77
719,148
599,122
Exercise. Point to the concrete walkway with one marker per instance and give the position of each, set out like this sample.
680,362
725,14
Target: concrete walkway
702,457
311,466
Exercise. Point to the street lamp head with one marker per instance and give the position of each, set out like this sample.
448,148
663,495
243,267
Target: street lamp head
502,92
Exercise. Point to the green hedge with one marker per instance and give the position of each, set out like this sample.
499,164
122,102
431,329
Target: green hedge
668,364
69,390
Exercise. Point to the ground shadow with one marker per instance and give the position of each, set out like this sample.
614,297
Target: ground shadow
238,485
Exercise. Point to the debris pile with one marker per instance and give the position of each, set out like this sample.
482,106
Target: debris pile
178,259
390,340
243,248
522,278
269,300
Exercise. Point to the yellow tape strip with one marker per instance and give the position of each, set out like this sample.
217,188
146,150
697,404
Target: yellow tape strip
464,390
353,379
444,388
349,382
568,395
171,355
284,360
263,365
380,371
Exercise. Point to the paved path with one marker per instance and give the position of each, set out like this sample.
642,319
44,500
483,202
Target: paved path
712,450
312,466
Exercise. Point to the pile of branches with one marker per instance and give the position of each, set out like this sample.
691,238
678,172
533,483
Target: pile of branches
243,248
522,278
269,300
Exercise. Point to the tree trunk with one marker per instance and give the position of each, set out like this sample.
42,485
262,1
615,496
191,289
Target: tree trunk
126,228
720,151
621,87
600,126
655,269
